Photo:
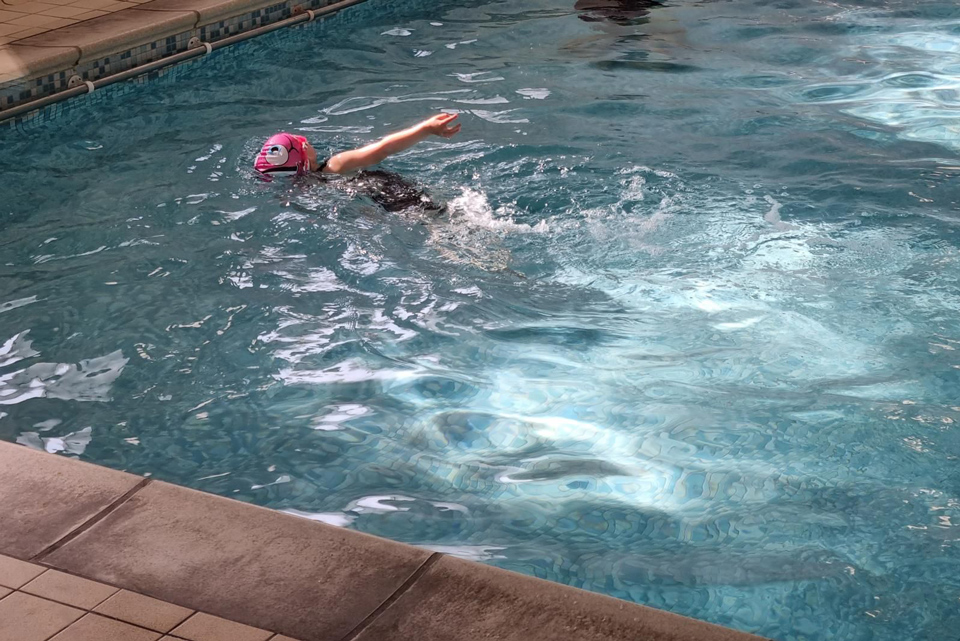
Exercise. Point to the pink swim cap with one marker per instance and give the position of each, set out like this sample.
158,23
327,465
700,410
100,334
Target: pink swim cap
282,152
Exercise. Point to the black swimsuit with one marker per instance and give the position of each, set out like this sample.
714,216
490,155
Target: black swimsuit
389,190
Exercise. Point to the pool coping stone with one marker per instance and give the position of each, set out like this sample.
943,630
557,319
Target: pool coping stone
484,602
290,575
208,11
44,498
24,61
249,564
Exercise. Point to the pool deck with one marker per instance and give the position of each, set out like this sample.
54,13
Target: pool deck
21,19
89,554
38,37
48,47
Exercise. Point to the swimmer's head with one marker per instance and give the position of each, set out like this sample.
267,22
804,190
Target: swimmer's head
285,152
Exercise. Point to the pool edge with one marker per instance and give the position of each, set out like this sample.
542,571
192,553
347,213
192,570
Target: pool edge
264,568
43,70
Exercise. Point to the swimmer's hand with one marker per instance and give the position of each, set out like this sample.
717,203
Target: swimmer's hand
439,125
350,161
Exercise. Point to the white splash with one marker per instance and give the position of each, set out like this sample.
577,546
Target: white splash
473,208
773,216
216,147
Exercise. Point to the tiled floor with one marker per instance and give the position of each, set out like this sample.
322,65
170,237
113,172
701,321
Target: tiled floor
24,18
39,604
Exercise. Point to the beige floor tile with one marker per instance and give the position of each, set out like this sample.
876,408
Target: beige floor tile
15,573
205,627
26,33
6,16
59,11
92,14
57,2
69,589
29,618
103,5
9,29
47,22
94,627
280,637
144,611
32,7
13,37
4,592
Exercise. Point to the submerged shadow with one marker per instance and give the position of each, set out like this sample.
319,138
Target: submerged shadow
620,12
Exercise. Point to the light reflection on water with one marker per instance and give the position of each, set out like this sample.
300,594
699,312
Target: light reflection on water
687,333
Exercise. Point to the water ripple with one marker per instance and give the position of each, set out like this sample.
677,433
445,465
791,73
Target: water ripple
684,334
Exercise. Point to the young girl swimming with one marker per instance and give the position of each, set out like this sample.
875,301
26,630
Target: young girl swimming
291,153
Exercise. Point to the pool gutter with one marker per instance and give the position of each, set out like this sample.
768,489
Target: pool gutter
78,85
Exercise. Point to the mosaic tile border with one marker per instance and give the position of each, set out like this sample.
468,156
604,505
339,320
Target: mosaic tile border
26,90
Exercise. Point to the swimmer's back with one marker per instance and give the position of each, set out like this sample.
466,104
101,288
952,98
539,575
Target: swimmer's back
391,191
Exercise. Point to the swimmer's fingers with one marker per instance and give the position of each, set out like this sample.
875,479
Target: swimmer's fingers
449,132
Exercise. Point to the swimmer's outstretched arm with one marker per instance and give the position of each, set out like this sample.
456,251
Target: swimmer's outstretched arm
374,153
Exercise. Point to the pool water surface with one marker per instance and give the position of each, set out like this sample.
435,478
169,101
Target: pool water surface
688,333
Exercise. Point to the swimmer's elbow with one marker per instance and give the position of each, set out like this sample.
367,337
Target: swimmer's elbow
334,165
342,164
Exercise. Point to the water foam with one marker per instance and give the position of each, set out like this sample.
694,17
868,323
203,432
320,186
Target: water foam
472,207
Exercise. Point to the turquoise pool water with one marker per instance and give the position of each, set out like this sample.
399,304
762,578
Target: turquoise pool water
688,335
